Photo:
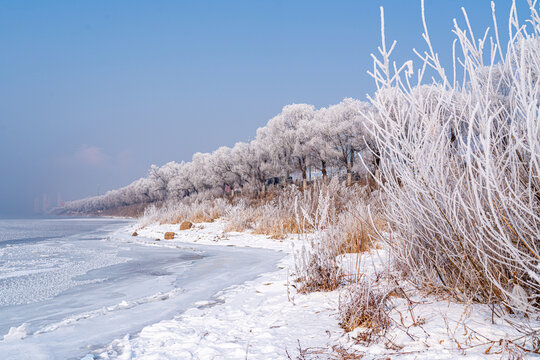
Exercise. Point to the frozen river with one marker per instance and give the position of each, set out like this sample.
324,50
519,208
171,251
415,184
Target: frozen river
68,286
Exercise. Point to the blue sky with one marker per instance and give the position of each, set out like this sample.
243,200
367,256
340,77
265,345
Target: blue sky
94,92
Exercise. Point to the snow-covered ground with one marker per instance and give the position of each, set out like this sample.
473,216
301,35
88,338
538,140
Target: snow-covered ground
211,294
262,319
266,318
434,327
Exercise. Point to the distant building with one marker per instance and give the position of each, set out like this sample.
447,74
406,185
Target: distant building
313,173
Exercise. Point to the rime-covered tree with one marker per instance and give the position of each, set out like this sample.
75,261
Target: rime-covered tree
344,131
289,137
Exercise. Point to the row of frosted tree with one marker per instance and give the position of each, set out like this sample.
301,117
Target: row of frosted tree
332,140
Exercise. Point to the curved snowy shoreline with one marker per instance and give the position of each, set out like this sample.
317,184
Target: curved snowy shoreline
266,318
261,318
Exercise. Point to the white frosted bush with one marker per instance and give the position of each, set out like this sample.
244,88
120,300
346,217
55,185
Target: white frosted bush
338,220
460,165
239,217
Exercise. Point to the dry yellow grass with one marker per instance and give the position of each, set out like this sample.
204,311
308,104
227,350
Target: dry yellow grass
278,228
235,227
198,217
357,240
360,235
366,307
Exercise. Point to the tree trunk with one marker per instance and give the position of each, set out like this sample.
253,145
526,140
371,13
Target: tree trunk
304,174
349,168
324,172
263,190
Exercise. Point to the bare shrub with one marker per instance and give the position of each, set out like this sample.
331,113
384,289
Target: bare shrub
339,225
295,211
276,217
193,210
316,264
359,225
239,217
365,305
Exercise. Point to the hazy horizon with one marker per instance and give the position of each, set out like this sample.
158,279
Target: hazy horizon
94,93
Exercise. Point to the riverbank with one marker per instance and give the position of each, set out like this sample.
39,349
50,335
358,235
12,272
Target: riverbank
264,318
267,318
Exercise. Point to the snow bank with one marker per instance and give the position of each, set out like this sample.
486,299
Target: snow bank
17,333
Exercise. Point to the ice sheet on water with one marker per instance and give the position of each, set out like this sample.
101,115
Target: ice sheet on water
65,296
17,230
40,271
